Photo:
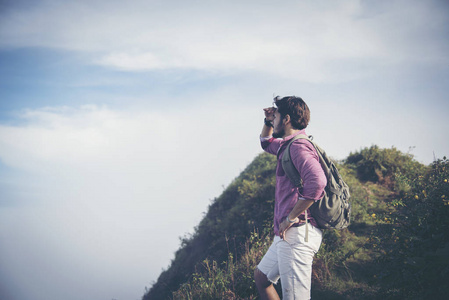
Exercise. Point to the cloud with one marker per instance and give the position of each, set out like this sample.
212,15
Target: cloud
303,40
80,136
136,151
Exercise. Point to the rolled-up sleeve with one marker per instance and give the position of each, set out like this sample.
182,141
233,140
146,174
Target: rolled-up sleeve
270,144
306,160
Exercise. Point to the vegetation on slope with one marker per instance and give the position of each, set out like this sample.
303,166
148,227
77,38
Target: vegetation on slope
397,246
244,206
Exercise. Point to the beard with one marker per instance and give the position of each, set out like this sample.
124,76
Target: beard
279,133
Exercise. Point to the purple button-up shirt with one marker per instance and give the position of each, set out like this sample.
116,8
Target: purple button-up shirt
307,162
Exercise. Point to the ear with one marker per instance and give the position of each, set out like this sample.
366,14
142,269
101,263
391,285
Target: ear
287,119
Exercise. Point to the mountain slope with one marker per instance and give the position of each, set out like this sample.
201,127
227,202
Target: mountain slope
246,204
390,195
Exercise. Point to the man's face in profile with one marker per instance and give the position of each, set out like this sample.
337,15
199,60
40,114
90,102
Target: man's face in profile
279,128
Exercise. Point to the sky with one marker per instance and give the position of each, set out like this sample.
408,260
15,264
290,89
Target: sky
121,121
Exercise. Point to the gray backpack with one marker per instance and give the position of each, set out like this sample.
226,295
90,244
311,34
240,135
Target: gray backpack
334,209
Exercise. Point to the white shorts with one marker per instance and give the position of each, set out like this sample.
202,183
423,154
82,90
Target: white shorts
291,261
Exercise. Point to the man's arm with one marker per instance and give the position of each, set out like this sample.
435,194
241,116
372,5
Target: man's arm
269,116
307,163
268,143
299,208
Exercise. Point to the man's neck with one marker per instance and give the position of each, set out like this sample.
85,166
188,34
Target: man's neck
290,131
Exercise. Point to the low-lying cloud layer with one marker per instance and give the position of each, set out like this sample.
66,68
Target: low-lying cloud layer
107,190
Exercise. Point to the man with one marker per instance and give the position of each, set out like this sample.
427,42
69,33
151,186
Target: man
295,243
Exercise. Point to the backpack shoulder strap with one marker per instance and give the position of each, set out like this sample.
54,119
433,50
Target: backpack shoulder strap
288,165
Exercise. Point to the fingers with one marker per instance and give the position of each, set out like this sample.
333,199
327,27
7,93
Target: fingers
269,113
283,227
282,231
282,235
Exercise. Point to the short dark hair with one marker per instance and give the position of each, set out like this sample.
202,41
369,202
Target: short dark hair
296,108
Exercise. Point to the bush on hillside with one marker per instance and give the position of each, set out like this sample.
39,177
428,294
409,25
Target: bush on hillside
413,237
231,280
381,165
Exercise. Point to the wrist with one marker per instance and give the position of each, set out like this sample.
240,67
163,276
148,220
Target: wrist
292,221
268,122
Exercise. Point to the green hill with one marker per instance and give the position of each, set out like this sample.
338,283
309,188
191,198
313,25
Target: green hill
397,246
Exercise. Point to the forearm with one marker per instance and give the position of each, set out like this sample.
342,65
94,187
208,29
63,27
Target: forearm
266,131
299,208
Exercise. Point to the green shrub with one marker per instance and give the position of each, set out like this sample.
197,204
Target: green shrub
414,238
228,280
381,165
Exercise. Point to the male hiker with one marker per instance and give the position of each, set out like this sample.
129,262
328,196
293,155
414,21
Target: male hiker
295,244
